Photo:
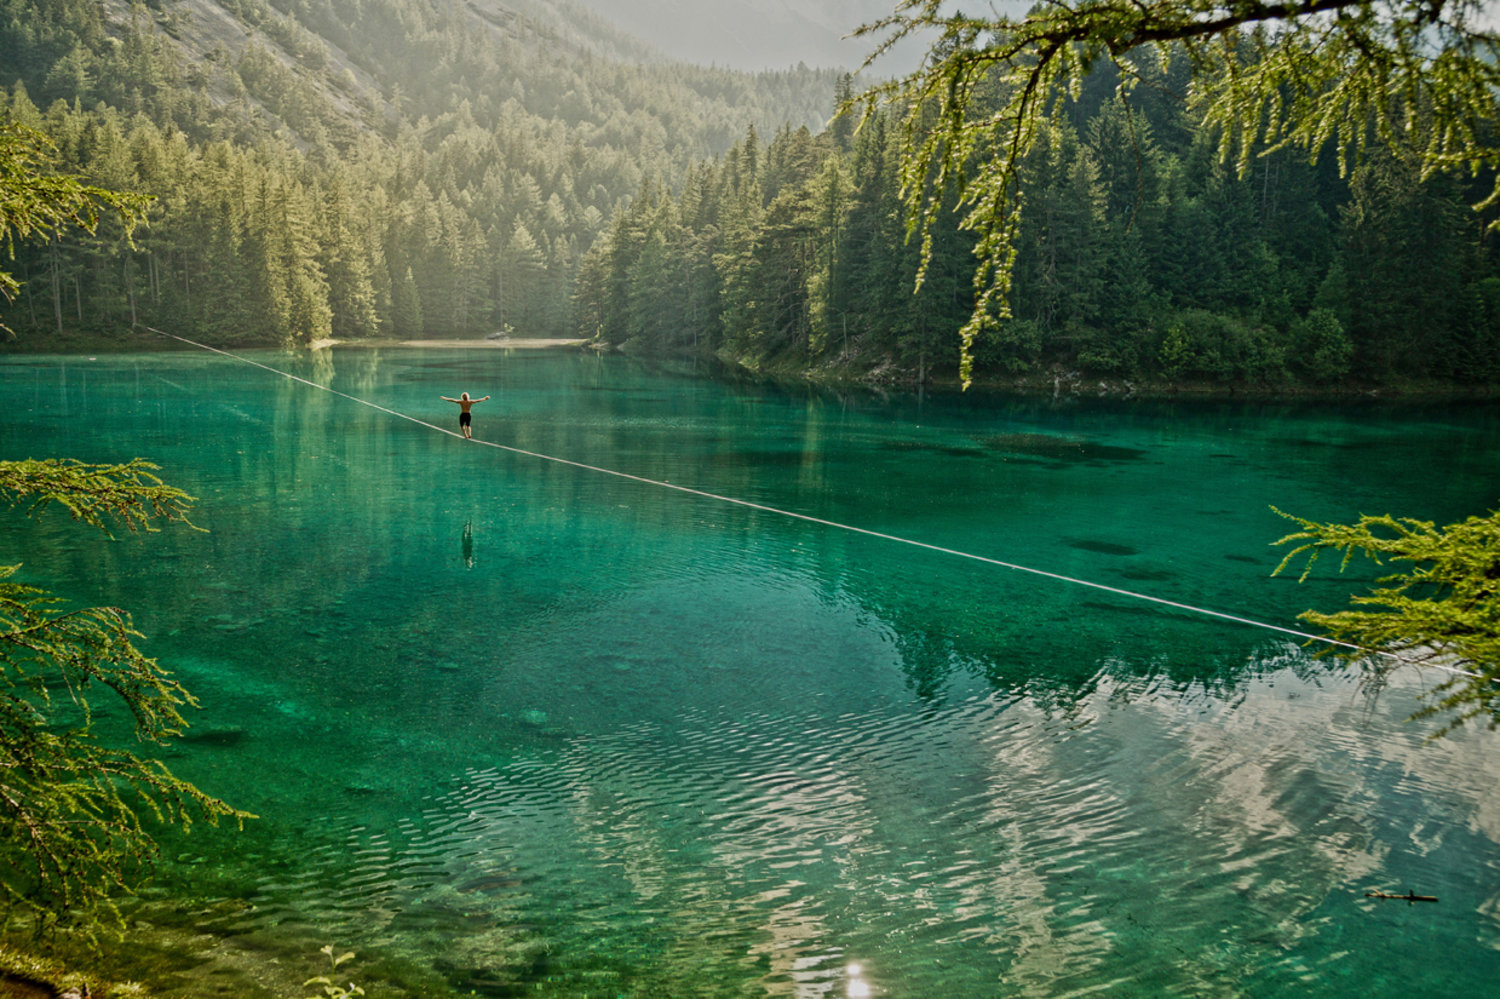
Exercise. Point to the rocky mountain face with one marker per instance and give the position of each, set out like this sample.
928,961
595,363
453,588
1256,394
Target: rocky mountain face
754,34
370,64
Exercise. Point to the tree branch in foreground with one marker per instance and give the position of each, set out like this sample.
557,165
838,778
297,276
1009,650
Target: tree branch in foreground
1442,611
1419,77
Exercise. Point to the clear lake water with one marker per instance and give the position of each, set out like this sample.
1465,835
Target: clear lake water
516,727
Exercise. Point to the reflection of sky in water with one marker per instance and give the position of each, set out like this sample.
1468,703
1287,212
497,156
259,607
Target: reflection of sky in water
1150,837
530,729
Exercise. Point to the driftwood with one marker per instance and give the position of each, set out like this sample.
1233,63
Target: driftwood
1408,898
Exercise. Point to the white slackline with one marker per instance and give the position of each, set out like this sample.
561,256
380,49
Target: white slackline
1293,632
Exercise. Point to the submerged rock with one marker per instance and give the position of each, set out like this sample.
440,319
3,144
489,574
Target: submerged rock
215,737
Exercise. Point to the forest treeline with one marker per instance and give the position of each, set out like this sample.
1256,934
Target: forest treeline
367,168
1141,256
352,168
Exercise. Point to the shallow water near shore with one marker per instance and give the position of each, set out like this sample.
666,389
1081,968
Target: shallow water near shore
517,727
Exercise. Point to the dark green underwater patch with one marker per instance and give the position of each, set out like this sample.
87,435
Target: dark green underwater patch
1064,449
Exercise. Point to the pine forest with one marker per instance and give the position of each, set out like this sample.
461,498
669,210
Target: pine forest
356,169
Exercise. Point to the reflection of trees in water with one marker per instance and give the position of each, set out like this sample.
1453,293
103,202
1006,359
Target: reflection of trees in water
326,582
339,498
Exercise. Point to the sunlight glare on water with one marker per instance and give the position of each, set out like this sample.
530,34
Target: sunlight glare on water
517,728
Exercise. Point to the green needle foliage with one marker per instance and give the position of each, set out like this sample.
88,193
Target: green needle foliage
130,492
35,203
73,811
1417,76
1444,610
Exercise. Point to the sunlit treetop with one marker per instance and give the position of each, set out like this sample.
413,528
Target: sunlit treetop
1418,77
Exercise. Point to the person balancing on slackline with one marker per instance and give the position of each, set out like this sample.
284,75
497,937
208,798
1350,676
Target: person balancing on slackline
464,402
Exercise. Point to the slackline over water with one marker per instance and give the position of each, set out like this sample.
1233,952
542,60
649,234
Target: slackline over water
1131,594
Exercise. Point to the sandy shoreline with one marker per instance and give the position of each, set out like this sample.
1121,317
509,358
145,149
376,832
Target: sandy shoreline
521,343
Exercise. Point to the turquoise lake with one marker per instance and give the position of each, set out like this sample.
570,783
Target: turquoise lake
516,727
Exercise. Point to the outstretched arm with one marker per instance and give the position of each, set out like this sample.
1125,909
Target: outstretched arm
446,399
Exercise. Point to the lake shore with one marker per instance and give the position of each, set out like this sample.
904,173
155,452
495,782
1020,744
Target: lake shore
129,341
510,343
1054,383
1060,383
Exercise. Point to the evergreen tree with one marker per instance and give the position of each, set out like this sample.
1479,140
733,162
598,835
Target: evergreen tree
71,833
406,308
977,106
38,204
1403,267
348,263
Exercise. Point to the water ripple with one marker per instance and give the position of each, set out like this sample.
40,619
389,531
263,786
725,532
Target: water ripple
1060,854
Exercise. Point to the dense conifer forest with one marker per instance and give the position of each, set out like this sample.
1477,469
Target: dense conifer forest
353,168
1142,257
387,168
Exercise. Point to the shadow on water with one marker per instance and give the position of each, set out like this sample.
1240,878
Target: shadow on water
952,451
1040,446
1061,449
1104,547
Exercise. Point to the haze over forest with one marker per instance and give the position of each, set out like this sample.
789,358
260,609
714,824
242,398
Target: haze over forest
757,34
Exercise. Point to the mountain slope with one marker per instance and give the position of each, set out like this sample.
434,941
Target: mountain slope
753,34
358,167
316,66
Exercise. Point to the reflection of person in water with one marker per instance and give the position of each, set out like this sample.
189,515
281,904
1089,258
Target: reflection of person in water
464,402
468,544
